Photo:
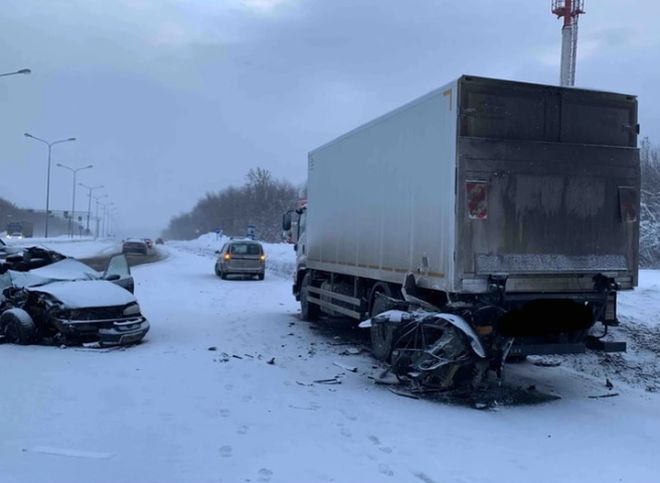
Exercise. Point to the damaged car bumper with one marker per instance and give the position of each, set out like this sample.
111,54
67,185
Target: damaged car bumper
106,332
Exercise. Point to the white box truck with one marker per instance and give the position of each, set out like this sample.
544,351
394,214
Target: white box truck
513,206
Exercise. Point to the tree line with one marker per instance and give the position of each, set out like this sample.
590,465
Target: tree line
649,236
260,201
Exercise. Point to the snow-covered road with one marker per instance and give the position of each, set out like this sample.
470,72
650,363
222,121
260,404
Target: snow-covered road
170,409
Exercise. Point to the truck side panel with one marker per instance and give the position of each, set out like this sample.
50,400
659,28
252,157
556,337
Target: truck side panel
381,198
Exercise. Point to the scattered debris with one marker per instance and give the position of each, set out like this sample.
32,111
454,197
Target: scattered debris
608,384
333,380
303,384
351,351
237,357
403,393
73,453
303,408
271,361
347,368
249,355
545,362
600,396
212,348
386,378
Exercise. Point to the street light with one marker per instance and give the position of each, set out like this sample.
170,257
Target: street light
73,200
98,202
50,147
89,205
104,222
22,71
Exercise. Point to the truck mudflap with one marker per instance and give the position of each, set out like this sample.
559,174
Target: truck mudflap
435,349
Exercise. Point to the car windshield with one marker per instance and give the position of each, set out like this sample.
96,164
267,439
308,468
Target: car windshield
245,249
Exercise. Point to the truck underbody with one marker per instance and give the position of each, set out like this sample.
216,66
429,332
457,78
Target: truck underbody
410,326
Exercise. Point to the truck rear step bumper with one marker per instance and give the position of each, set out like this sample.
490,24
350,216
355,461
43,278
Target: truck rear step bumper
590,343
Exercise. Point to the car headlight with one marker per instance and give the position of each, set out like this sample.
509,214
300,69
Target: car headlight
133,309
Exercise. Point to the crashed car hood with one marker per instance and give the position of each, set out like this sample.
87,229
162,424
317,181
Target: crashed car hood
87,294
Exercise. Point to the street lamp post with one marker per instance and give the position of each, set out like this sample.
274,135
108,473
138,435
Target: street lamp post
18,72
98,202
73,199
89,204
50,147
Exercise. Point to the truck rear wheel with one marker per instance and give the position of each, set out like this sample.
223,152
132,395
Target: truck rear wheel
382,335
308,312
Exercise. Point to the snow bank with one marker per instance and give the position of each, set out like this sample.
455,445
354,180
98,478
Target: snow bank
280,257
84,247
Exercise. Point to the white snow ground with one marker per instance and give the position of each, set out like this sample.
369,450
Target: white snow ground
172,410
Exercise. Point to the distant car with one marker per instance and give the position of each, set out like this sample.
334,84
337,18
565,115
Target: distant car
160,241
17,235
69,302
149,242
241,257
135,245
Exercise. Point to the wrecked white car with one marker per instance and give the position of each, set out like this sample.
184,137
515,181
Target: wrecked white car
68,302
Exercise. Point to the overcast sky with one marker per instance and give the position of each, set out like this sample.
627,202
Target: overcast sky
170,99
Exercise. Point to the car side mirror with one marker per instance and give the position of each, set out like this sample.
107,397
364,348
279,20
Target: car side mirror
217,252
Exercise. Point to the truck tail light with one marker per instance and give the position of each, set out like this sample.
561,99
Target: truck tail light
477,199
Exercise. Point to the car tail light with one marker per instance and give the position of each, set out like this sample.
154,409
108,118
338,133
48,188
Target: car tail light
262,258
227,256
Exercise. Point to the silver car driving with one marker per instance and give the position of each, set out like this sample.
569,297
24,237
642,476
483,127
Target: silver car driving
241,257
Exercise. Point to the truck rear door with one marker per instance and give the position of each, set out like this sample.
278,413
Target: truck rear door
547,186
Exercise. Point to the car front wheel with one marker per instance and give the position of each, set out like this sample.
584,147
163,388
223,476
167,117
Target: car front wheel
17,326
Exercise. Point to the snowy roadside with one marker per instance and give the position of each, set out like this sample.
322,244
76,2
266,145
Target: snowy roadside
85,247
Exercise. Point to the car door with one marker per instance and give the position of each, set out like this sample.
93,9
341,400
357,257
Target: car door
119,272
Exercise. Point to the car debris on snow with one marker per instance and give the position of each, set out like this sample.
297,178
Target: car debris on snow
345,367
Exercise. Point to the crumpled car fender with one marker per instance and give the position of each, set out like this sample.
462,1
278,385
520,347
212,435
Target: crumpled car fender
399,316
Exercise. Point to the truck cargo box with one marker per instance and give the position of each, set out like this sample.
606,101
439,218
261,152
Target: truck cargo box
482,178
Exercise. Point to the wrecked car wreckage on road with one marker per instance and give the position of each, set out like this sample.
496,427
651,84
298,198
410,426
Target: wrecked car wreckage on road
68,302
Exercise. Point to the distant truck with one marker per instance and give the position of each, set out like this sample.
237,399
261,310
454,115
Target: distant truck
508,209
20,229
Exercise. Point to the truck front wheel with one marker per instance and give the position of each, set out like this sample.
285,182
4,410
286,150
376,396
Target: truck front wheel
308,312
382,335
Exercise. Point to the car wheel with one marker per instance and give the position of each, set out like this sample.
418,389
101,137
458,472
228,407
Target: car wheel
218,272
308,312
382,335
261,276
17,326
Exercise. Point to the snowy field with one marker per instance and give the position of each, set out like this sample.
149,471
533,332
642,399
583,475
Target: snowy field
199,401
79,247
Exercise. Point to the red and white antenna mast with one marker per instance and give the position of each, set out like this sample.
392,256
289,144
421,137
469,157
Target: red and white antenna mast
570,10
